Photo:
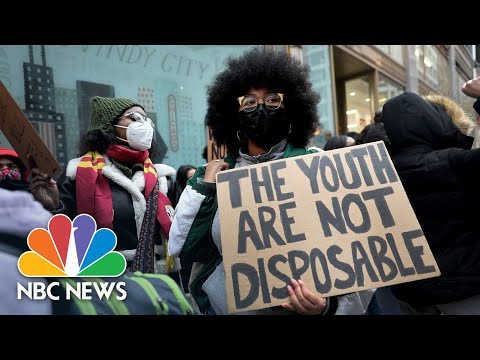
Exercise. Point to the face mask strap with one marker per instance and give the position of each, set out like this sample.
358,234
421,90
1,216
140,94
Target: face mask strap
119,138
135,141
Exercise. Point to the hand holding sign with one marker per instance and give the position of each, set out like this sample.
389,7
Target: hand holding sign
213,168
303,300
44,189
339,220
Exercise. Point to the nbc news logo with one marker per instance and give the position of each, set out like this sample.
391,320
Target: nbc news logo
72,249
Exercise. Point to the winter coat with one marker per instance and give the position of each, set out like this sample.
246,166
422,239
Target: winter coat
19,214
129,205
459,117
191,236
440,176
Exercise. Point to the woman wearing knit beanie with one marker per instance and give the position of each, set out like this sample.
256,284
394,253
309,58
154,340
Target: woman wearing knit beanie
117,184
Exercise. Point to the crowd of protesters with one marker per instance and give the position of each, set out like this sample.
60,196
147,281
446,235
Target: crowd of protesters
262,107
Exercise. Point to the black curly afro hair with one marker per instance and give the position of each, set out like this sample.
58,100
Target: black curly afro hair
257,68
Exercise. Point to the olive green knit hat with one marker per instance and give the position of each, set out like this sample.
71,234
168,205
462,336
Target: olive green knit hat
104,110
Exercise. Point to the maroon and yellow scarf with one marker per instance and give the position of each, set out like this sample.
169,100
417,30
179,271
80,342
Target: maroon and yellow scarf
94,196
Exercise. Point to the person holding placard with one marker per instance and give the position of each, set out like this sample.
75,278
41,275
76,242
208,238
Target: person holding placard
118,185
263,108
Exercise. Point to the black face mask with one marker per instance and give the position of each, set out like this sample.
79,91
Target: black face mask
265,127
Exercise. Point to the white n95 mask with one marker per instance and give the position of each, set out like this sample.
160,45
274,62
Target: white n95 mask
139,135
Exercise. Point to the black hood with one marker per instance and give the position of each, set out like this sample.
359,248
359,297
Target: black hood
412,122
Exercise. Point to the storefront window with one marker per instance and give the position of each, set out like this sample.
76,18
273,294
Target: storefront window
469,48
387,89
54,83
394,51
432,67
318,58
359,103
444,82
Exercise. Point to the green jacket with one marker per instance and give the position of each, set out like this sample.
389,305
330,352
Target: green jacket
193,240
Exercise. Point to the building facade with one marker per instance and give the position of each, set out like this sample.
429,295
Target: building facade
354,81
40,105
54,85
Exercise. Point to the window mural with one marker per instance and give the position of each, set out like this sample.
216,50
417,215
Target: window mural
53,84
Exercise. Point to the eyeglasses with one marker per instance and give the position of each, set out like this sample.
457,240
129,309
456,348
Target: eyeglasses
136,116
249,103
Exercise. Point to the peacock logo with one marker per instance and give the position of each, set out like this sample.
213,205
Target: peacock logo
72,249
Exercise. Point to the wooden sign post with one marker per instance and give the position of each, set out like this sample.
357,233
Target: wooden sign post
21,134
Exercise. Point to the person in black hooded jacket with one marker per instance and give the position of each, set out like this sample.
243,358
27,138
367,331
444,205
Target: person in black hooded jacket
440,176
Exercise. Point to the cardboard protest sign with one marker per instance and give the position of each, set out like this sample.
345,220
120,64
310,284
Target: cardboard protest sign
338,220
213,150
21,134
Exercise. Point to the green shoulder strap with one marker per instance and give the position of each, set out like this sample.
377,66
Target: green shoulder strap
182,301
85,307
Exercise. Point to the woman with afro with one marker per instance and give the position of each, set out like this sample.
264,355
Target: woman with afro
263,108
